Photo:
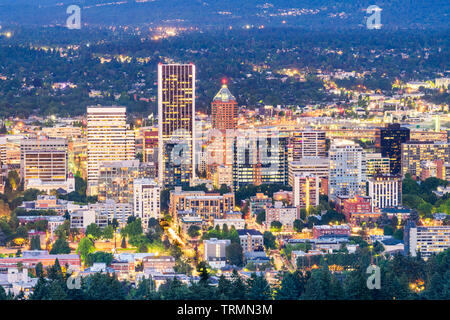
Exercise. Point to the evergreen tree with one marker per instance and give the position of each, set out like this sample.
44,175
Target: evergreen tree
35,243
258,288
292,286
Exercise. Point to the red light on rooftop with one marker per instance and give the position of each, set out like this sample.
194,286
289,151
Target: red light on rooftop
224,81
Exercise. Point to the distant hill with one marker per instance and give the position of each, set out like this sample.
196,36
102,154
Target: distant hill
316,14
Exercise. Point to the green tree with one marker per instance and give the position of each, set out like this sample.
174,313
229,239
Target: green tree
276,225
85,247
61,246
258,288
193,231
234,254
269,240
261,217
108,232
94,231
35,243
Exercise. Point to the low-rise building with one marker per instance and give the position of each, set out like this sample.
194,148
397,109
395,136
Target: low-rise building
233,222
330,230
251,240
427,240
285,215
215,252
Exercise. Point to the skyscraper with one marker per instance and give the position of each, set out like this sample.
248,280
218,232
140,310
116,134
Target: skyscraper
260,158
108,140
176,129
224,109
347,169
389,141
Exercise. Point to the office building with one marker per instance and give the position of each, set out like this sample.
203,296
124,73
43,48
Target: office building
427,240
308,143
306,191
115,180
389,141
415,153
347,169
108,139
260,158
150,145
224,109
44,163
113,210
146,200
385,191
309,166
176,121
377,165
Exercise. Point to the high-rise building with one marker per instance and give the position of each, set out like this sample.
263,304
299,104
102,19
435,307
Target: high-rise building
389,141
146,200
44,161
260,158
108,139
224,109
176,123
347,169
415,153
306,190
308,143
385,191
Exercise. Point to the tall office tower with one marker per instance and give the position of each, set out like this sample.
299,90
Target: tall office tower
308,143
389,141
385,191
146,200
377,165
224,109
347,169
108,139
260,158
176,118
44,161
306,190
416,153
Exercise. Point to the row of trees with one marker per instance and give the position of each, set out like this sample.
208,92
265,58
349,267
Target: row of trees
402,277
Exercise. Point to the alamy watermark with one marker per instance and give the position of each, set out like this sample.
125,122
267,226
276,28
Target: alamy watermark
74,20
374,20
374,280
74,280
